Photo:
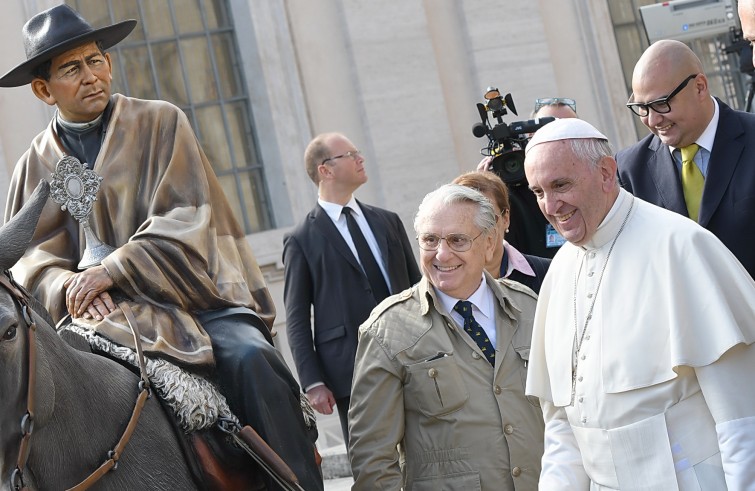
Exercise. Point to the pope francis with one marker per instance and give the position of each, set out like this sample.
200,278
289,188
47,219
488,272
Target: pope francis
642,351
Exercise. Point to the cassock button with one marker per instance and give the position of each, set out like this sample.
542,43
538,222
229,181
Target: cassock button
497,389
583,357
584,419
589,295
591,274
476,355
508,429
581,399
516,472
578,378
592,254
433,372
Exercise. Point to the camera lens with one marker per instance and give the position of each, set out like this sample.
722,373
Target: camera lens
510,166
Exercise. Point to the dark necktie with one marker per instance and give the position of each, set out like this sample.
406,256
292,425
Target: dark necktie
366,258
475,330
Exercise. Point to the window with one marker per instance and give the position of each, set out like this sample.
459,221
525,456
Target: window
185,52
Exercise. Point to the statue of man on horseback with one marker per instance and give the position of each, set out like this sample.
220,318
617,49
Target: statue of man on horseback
181,274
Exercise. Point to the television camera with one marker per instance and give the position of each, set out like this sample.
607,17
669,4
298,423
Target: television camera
529,231
506,142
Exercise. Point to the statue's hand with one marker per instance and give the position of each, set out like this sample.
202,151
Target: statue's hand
83,288
101,306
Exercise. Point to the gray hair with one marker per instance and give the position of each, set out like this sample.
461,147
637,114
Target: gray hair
449,194
591,149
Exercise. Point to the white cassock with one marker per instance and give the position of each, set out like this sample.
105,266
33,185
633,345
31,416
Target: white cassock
664,397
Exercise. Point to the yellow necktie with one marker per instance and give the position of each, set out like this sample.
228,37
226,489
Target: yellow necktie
692,180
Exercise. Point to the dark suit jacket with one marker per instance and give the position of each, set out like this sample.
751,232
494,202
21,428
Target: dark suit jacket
539,266
321,271
647,170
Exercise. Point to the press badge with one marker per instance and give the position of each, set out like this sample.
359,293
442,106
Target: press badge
553,238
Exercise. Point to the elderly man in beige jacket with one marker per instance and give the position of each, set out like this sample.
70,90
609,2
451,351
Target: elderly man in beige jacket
438,393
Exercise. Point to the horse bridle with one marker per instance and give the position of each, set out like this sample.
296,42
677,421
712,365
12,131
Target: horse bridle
27,420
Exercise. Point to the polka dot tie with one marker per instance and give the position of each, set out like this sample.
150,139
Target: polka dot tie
475,330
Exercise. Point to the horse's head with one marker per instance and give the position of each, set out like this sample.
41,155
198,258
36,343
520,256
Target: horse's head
14,320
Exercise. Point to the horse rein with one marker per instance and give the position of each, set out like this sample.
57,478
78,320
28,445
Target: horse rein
27,421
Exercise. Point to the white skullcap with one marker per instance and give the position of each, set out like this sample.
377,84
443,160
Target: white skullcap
564,129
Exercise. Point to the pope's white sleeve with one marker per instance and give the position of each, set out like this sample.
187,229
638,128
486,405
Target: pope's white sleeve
562,460
730,396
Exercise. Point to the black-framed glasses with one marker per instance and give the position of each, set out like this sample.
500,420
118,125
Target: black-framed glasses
353,155
661,105
457,242
555,101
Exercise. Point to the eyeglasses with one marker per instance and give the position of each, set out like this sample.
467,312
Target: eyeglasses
457,242
353,155
661,105
555,101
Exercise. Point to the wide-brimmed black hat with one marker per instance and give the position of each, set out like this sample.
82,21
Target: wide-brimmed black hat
54,32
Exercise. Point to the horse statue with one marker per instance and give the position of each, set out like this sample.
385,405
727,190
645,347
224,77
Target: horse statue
68,416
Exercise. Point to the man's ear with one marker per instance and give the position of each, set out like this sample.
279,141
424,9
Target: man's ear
109,64
42,91
490,244
323,171
608,171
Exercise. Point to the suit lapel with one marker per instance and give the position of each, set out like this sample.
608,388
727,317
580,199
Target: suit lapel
727,149
662,168
327,228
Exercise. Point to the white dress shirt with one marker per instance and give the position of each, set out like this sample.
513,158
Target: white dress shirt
483,308
335,212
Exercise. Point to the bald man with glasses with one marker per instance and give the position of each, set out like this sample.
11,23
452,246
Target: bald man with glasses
699,159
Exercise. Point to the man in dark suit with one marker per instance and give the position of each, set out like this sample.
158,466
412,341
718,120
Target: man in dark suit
343,259
699,160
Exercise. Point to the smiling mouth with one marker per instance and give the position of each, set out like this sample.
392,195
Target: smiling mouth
564,218
445,269
664,128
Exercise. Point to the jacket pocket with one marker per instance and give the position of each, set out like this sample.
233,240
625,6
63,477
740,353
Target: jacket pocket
330,334
435,387
466,481
524,356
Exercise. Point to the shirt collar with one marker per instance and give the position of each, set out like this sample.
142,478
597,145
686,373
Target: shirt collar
706,139
482,298
611,224
516,261
334,210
